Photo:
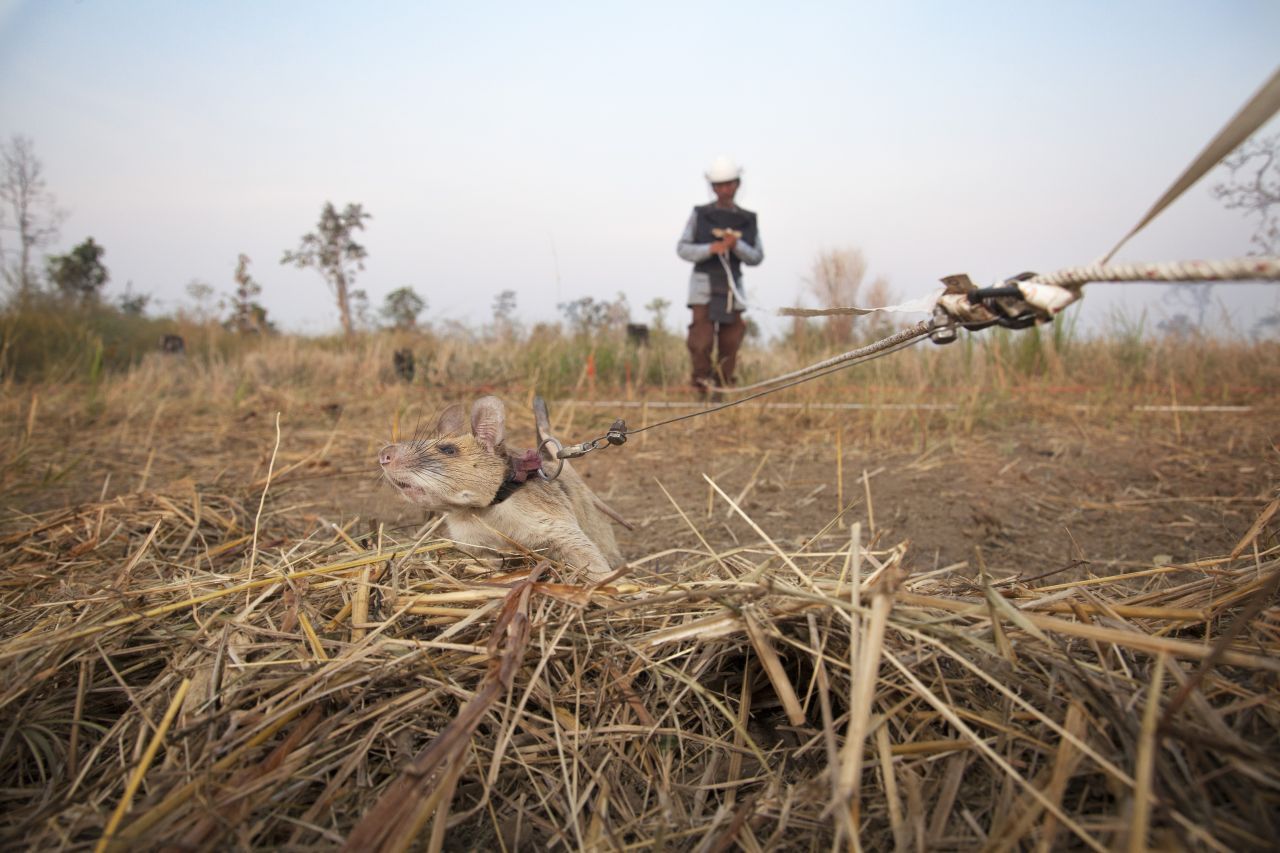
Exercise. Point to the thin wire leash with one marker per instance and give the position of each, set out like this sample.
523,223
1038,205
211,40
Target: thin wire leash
619,432
897,342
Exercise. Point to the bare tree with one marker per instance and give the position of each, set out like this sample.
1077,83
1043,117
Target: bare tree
1254,187
28,209
333,252
837,278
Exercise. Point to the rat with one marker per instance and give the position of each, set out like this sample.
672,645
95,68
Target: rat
490,498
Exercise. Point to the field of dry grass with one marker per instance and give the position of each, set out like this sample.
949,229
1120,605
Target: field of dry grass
985,604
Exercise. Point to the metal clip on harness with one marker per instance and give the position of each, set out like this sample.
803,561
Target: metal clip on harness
942,329
550,448
1007,303
1017,303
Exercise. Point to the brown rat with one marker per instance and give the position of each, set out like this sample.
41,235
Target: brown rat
468,476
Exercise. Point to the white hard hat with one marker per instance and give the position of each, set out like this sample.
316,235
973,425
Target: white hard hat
723,169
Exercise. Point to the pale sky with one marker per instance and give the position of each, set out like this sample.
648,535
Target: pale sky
556,149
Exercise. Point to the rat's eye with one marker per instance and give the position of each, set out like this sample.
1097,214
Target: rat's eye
448,449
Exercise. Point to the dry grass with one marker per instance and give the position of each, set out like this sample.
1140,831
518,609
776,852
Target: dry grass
789,699
211,664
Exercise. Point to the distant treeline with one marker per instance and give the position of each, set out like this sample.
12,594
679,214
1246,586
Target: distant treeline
49,340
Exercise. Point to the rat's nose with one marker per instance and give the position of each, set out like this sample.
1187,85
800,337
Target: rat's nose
387,455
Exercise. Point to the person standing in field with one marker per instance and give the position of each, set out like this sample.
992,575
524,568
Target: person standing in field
718,239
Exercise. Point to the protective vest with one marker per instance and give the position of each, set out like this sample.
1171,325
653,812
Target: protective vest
710,217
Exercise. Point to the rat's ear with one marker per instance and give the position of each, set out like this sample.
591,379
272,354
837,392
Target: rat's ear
452,421
489,422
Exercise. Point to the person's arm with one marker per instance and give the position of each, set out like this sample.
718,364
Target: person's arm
749,254
695,252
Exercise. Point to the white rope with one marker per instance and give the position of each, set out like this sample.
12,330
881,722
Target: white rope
734,293
1235,269
1067,282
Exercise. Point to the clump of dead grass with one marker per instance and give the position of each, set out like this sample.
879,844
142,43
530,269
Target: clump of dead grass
198,667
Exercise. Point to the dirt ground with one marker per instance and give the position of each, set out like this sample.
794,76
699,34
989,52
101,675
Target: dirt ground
1027,498
1035,492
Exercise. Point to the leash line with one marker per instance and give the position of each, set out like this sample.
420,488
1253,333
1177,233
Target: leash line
549,448
807,375
734,293
1253,115
909,334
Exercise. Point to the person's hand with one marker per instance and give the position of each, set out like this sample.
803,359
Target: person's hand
730,240
720,247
